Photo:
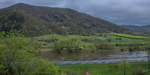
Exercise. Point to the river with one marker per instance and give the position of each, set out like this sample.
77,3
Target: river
136,56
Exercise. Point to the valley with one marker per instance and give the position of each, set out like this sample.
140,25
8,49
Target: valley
42,40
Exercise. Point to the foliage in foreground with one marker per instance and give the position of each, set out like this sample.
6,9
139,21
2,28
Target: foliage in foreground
17,57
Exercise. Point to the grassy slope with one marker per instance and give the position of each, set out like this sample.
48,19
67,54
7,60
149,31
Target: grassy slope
105,69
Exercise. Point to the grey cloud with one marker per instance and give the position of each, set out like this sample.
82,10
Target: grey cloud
6,3
117,11
51,3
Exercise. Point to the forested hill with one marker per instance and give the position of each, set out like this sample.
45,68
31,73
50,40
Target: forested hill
39,20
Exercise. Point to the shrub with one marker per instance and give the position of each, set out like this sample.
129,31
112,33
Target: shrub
138,72
90,48
68,45
3,70
40,67
102,45
17,57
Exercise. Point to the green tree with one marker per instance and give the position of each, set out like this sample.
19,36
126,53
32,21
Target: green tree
17,57
68,45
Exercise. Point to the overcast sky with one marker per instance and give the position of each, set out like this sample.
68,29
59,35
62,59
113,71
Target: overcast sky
133,12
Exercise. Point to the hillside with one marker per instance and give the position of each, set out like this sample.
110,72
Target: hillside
142,30
39,20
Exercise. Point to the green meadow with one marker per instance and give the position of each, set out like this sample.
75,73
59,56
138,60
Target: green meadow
107,69
121,41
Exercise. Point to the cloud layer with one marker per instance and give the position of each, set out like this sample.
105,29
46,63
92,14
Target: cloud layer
117,11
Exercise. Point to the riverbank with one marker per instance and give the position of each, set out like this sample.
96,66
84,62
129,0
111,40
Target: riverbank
105,61
136,56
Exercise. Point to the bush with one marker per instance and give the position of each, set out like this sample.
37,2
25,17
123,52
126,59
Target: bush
139,72
90,48
102,45
40,67
3,70
68,45
17,57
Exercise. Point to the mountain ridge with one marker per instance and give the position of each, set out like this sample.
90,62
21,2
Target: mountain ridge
41,20
142,30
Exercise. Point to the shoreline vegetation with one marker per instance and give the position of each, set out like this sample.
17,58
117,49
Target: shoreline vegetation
78,47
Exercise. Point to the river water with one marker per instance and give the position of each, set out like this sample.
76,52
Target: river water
136,56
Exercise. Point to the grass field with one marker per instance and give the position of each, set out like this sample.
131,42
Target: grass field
112,37
129,36
115,38
106,69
